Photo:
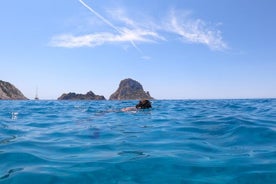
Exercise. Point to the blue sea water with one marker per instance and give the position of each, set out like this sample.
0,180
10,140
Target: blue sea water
177,141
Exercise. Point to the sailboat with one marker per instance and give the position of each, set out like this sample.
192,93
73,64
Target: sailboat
36,95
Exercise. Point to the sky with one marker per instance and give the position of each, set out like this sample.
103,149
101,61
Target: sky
177,49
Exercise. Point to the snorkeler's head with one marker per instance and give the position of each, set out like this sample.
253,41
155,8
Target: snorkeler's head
143,104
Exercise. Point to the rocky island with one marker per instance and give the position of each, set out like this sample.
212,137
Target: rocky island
88,96
10,92
130,89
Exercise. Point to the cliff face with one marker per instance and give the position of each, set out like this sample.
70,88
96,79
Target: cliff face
130,89
88,96
10,92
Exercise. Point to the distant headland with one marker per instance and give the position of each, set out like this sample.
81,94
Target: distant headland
10,92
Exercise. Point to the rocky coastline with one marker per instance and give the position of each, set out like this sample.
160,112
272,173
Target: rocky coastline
128,89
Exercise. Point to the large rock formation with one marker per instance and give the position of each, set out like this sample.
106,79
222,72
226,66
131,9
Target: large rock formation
88,96
10,92
130,89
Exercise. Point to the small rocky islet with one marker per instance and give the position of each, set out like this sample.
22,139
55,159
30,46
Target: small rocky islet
128,89
88,96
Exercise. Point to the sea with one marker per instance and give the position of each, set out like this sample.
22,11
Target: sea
175,142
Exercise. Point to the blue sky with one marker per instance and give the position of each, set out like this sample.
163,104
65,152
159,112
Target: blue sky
177,49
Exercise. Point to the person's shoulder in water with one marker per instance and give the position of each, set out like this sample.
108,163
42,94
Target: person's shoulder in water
143,104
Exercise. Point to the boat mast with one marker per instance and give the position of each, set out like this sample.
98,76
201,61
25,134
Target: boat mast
36,95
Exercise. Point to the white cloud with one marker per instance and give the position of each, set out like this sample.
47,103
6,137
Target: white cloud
71,41
147,58
123,28
92,40
195,31
121,16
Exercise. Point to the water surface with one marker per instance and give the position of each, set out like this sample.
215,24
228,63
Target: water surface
178,141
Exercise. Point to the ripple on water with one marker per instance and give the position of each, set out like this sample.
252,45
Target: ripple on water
7,140
10,172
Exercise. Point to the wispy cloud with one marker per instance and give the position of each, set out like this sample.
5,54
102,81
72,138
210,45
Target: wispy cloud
121,16
126,29
195,31
92,40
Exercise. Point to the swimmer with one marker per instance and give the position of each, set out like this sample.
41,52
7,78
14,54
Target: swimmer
143,104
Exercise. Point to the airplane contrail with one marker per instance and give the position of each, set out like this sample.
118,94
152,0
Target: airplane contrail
108,23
